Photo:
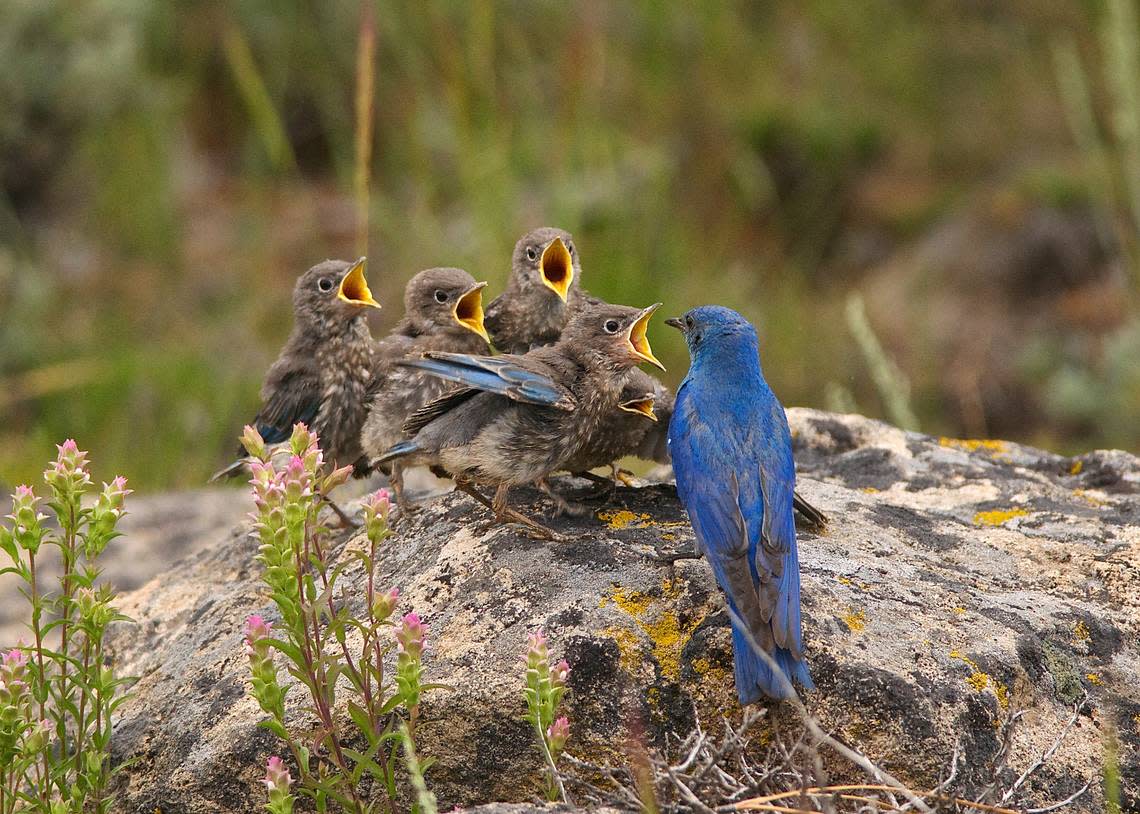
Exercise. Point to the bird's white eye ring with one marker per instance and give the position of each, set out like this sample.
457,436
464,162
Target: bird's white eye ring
531,253
611,326
440,296
325,284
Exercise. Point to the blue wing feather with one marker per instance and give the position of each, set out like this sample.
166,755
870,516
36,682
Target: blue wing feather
505,375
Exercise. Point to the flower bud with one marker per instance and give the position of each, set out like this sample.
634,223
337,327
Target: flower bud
411,635
253,442
557,734
385,604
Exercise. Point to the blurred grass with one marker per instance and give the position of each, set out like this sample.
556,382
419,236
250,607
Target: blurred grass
168,169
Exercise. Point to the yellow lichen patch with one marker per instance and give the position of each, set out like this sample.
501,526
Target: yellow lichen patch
1076,468
1092,500
629,651
624,519
982,681
974,444
998,516
1081,632
959,610
1094,679
856,620
845,581
667,635
870,490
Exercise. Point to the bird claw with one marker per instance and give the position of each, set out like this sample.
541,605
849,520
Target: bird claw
625,477
674,556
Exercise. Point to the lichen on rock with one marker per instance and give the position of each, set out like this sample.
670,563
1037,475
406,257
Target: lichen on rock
927,627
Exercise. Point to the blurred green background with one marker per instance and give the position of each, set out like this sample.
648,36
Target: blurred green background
930,209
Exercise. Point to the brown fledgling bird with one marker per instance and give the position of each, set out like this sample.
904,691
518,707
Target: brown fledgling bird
322,374
443,311
517,418
542,292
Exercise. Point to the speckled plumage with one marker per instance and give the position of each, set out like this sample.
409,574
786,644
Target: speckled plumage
428,325
321,375
521,417
529,313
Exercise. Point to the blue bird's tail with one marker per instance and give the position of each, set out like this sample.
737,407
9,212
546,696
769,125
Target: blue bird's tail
398,451
755,680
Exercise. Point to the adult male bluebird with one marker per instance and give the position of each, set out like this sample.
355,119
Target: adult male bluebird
732,454
321,375
541,294
443,311
517,418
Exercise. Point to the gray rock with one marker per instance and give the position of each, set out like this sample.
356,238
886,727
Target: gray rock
957,583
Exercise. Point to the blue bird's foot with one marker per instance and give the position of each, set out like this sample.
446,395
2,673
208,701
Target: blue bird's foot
672,557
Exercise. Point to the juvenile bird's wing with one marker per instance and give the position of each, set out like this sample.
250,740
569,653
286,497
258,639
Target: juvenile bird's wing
292,394
437,407
516,377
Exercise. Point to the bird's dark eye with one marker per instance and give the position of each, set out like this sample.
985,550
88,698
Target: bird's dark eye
570,248
689,322
325,284
440,296
611,326
531,253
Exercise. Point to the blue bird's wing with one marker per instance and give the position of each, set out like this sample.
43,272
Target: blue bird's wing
516,377
742,516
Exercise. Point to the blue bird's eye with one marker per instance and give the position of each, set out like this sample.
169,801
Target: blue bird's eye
325,284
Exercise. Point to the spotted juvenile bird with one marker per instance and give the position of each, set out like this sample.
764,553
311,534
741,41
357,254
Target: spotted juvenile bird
732,454
321,375
517,418
542,292
443,311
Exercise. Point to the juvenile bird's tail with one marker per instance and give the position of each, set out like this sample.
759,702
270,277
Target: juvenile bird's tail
755,678
238,467
397,451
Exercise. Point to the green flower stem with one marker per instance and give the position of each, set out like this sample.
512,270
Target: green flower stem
43,783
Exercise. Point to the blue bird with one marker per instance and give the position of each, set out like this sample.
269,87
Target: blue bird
732,455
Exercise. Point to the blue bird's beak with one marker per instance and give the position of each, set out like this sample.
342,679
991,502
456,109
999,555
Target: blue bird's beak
676,322
354,287
637,339
557,268
640,406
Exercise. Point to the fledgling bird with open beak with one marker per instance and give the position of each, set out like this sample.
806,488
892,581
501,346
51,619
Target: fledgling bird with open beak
321,375
542,292
517,418
443,311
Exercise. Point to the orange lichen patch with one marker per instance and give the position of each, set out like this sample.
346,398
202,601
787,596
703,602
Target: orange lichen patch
624,519
667,633
982,681
974,444
1094,679
856,620
998,516
1076,468
1081,632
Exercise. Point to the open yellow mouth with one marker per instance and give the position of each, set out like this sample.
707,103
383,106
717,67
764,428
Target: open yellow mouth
468,311
638,342
557,268
354,288
641,406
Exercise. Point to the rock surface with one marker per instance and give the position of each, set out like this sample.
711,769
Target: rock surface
957,582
